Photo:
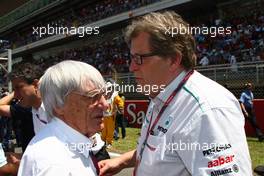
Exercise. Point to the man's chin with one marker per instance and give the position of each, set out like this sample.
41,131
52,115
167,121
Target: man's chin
99,128
24,105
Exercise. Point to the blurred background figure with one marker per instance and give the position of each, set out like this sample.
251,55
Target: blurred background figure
120,121
9,164
5,129
248,109
116,103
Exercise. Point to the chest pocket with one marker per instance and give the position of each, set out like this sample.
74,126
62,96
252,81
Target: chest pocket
157,158
159,149
152,149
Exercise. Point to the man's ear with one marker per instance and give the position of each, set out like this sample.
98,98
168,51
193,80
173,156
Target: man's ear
58,112
175,62
36,83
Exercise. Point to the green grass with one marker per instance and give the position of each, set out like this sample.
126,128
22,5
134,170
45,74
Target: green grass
129,143
256,150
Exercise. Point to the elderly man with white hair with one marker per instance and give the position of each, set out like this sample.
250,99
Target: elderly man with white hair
73,94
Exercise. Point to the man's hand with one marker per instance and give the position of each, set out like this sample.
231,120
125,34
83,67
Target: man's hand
9,169
115,165
246,114
13,158
110,166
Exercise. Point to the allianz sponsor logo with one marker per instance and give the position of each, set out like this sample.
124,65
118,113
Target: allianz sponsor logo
221,172
225,171
216,149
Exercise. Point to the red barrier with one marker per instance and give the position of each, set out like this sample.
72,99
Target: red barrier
259,111
135,111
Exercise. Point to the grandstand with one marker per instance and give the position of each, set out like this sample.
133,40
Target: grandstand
104,46
45,32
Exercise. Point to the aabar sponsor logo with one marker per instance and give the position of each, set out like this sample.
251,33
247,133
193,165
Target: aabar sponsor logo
216,149
220,161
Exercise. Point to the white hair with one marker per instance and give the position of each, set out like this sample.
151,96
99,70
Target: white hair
67,76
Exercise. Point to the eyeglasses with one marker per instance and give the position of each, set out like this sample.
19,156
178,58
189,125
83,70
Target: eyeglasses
95,95
138,58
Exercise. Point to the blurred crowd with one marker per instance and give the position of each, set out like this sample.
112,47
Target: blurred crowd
108,57
4,45
78,17
244,44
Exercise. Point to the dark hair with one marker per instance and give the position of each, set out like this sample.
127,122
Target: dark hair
26,71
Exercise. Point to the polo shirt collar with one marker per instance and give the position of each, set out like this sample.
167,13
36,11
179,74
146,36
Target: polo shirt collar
164,95
39,109
41,112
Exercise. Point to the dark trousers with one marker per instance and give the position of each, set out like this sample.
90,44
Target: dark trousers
252,119
120,122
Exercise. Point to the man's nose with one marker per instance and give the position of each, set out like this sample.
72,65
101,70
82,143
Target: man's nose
133,66
103,103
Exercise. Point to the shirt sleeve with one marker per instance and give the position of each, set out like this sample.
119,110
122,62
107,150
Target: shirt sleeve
2,157
30,167
215,144
55,170
33,164
242,98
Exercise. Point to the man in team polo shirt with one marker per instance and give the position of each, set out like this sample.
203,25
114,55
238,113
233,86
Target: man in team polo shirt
192,127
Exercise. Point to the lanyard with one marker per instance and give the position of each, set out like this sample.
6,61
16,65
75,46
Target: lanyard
150,129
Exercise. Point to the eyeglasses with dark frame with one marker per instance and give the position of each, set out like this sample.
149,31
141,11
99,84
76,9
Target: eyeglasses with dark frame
138,58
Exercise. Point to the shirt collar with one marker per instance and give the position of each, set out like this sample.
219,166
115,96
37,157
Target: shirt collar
164,95
75,139
41,113
39,110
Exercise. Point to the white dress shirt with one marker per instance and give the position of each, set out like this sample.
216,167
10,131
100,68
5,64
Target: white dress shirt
201,132
57,149
40,118
2,156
